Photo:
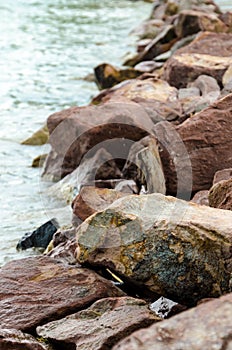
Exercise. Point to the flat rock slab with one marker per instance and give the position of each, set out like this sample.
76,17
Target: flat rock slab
171,247
100,326
208,326
210,53
38,290
12,339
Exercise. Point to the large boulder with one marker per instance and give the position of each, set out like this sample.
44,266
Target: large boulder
168,246
192,152
207,326
210,53
220,195
79,132
41,289
100,326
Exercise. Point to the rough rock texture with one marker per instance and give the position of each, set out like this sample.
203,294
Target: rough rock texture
209,53
92,199
100,326
207,326
12,339
171,247
201,198
40,237
192,152
144,166
220,175
41,289
81,131
220,195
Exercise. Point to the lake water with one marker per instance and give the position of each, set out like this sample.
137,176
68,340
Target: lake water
47,48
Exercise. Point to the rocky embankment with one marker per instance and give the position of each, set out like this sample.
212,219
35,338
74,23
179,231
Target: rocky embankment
147,260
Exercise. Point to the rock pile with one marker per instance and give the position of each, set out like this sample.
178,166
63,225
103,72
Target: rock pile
147,168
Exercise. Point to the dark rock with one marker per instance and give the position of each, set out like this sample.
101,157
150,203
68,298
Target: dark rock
100,326
166,308
201,198
193,151
144,166
40,238
207,326
38,162
79,132
220,175
107,75
41,289
12,339
93,199
171,247
220,195
209,53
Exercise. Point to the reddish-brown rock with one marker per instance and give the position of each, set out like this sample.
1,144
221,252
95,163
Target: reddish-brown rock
220,175
100,326
201,198
41,289
12,339
92,199
220,195
192,152
207,326
210,53
80,131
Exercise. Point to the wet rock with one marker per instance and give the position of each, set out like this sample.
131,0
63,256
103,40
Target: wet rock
107,75
38,162
144,166
201,198
171,247
220,195
40,237
40,137
41,289
100,326
209,53
100,166
12,339
93,199
207,326
193,151
79,132
220,175
166,308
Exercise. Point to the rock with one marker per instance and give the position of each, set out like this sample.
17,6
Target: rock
220,195
227,77
93,199
201,198
166,308
41,289
193,151
100,326
65,252
207,326
171,247
190,22
157,98
12,339
147,66
220,175
78,132
100,166
209,53
39,138
160,44
148,29
144,166
127,186
40,237
38,162
107,75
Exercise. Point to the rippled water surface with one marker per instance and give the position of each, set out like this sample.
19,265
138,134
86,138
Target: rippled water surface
47,47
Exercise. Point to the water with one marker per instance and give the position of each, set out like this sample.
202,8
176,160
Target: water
47,47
